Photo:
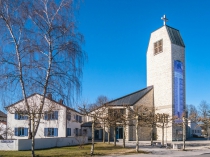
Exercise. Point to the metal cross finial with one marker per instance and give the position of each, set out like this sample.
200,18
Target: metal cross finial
164,19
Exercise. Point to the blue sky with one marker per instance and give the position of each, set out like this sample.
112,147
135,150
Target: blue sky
117,33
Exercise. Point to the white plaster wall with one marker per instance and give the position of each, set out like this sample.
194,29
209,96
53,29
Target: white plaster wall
73,124
160,74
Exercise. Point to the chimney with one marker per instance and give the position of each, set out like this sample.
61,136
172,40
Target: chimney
49,96
61,101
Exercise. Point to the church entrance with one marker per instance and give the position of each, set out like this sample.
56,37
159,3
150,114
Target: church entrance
119,132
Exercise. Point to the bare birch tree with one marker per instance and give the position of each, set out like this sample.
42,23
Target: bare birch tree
41,51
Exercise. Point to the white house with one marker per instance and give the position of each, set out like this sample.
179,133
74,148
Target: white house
57,119
193,129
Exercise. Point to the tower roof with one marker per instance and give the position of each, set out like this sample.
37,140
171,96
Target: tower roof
175,36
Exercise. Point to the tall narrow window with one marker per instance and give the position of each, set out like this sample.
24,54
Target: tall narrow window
158,47
68,131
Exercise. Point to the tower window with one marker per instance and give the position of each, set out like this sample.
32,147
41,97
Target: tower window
158,47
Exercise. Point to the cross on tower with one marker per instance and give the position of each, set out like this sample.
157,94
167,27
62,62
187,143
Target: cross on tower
164,19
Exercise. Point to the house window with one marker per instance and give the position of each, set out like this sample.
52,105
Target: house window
68,131
79,118
50,131
51,115
19,116
84,132
21,131
68,116
76,132
158,47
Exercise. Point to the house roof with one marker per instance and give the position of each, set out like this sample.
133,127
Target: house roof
3,122
2,114
45,98
130,99
87,124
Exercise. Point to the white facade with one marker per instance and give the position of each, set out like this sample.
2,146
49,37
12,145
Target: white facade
193,129
55,121
160,72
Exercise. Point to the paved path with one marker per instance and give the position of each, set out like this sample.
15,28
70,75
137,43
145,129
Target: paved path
198,148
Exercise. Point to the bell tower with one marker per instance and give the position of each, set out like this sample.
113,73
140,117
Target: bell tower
166,72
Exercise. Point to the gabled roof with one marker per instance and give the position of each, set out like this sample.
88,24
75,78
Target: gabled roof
130,99
45,98
175,36
2,114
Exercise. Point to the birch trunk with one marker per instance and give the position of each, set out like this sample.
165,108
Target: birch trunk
32,140
137,136
20,69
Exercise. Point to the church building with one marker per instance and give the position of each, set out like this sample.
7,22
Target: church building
165,91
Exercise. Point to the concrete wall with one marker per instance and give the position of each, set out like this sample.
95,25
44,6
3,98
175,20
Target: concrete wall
42,143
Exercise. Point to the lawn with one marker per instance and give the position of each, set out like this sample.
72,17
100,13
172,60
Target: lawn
74,151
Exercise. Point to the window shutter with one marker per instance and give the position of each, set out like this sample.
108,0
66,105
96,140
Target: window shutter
16,116
45,115
56,115
25,131
80,119
67,133
16,131
55,131
45,131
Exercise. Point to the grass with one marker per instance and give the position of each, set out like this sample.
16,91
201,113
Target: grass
74,151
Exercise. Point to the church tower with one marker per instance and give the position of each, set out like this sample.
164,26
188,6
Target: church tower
166,72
